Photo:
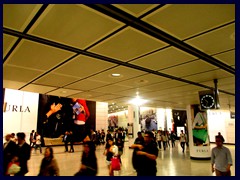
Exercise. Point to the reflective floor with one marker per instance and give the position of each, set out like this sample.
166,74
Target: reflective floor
171,162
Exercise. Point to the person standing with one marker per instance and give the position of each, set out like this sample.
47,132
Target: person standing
38,142
182,140
140,141
173,138
108,136
159,139
65,140
147,155
221,158
71,140
9,151
49,166
23,153
164,139
31,138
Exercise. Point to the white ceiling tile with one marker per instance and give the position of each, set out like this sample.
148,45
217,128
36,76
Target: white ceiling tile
14,73
185,20
63,92
143,80
87,95
227,57
17,16
127,44
8,42
135,9
13,84
125,72
37,56
107,97
162,59
83,66
38,88
75,25
209,76
112,89
53,79
86,84
215,41
164,85
221,82
189,68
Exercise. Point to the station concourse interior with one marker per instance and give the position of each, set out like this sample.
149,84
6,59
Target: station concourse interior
111,53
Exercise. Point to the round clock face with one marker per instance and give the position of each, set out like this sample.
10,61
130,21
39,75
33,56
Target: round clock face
207,101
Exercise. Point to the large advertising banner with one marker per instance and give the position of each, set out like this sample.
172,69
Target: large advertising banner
58,114
198,133
148,119
20,110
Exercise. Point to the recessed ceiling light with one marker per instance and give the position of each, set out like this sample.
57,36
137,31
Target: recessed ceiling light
116,75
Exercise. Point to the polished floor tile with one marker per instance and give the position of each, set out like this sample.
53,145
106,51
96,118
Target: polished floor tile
171,162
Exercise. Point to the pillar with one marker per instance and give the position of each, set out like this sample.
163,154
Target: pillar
199,144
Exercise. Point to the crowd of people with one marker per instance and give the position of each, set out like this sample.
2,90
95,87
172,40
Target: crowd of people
146,146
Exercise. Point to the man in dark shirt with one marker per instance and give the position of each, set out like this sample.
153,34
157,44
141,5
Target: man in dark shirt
23,153
147,155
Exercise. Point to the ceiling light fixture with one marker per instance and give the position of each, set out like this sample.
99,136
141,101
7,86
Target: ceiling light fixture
138,101
116,75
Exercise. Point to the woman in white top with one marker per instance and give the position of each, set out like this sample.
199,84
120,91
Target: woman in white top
110,151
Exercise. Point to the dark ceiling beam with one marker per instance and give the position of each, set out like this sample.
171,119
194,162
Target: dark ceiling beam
138,24
100,57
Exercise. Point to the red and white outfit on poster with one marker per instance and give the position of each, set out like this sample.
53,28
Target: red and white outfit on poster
83,115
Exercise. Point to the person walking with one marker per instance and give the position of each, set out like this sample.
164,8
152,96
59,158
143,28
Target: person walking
89,165
182,140
147,155
221,159
9,151
23,153
49,166
111,150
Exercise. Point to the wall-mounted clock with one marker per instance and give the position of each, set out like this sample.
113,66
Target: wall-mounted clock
207,100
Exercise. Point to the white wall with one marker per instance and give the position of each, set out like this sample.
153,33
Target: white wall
16,115
101,116
220,121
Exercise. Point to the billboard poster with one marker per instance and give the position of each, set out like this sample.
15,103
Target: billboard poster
148,119
59,114
199,144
